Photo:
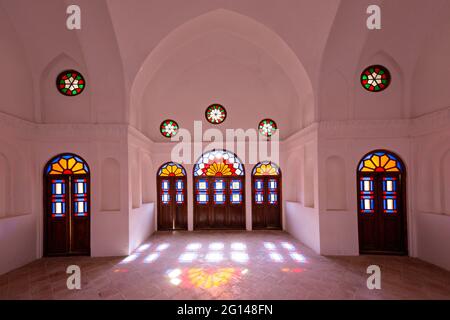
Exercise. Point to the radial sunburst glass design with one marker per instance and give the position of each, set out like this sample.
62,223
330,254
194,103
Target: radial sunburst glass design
171,169
266,168
216,114
267,127
169,128
218,163
70,83
375,78
380,162
67,164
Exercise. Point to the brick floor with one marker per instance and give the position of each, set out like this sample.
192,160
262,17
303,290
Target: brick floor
226,265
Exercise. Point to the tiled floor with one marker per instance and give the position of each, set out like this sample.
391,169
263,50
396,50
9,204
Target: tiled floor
226,265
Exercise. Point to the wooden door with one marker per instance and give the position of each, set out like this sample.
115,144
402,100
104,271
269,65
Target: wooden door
266,202
381,213
172,203
67,215
219,203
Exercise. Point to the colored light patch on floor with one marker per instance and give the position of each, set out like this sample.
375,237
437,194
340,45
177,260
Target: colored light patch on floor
214,257
151,257
216,246
205,278
239,257
238,246
187,257
276,257
193,246
270,245
297,257
162,247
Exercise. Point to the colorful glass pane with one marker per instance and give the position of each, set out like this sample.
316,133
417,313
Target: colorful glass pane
235,191
171,169
390,194
67,164
169,128
80,197
58,198
266,168
380,161
70,83
367,194
202,195
215,114
267,127
218,163
375,78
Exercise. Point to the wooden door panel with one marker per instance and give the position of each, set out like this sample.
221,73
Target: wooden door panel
382,229
266,202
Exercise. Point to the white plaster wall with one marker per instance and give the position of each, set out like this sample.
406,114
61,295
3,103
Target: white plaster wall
303,223
142,224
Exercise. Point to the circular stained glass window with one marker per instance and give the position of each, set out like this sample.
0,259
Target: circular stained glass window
375,78
169,128
267,127
215,114
70,83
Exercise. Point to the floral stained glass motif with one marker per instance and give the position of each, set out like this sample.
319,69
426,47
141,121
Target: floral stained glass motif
375,78
218,163
267,127
381,161
67,164
266,168
169,128
215,114
171,169
70,83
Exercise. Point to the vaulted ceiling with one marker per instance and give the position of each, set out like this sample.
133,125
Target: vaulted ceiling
297,61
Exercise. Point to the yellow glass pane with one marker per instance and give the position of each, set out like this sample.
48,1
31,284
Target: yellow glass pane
383,160
178,172
80,172
376,160
57,167
63,163
78,166
393,170
55,172
365,169
390,164
369,164
71,162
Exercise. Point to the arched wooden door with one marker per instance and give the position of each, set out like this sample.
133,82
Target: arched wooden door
67,206
266,196
172,200
219,191
381,186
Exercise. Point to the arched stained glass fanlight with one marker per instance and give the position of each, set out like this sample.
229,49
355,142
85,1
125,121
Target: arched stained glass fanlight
169,128
266,168
380,161
267,127
375,78
171,169
215,114
67,164
218,163
70,83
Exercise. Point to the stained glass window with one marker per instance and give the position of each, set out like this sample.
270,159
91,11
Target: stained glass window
380,161
215,114
80,195
266,168
235,191
218,163
171,169
67,164
58,198
375,78
70,83
367,194
390,194
169,128
202,195
267,127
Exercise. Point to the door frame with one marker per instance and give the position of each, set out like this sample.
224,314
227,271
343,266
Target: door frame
158,195
279,191
45,201
404,194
